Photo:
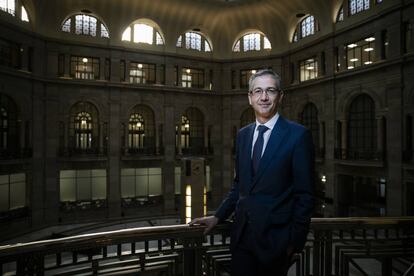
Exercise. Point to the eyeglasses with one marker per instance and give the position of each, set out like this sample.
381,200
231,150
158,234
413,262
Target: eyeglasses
271,91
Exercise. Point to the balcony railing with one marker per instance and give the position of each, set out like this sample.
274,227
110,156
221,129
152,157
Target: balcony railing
408,155
146,151
346,154
6,154
335,246
78,152
196,151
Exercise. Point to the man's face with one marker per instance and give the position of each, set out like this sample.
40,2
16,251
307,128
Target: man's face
265,104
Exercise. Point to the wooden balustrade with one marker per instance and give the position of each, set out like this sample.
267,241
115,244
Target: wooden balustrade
334,247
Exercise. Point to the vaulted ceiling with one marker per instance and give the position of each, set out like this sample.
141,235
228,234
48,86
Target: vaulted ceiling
222,21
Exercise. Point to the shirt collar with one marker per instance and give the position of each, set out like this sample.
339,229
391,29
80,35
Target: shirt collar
269,124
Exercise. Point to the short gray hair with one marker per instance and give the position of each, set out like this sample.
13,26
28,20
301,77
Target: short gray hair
265,72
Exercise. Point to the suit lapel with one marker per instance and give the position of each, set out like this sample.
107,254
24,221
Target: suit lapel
275,140
246,158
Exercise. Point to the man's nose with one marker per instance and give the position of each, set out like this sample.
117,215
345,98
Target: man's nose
264,96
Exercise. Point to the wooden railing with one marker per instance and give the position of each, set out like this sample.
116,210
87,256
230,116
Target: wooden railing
335,246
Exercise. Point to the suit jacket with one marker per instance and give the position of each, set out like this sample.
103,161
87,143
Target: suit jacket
278,200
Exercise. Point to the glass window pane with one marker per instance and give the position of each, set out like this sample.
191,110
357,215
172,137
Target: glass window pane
4,179
141,185
154,171
4,197
98,173
20,177
127,186
141,171
17,195
155,185
99,188
143,33
128,172
67,173
67,189
83,173
84,189
177,171
24,16
126,36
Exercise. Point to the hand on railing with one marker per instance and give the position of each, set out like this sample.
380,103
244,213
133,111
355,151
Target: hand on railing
209,221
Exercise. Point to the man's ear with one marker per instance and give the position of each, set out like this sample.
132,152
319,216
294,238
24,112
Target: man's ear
250,99
281,96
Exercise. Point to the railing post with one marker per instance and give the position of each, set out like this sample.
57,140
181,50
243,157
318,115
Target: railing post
328,253
192,256
316,253
32,264
386,266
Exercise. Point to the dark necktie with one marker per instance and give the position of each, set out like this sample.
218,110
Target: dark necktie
258,148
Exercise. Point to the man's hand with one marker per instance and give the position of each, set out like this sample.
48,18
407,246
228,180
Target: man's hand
210,222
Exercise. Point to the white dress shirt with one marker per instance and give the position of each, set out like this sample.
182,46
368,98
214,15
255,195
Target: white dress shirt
270,125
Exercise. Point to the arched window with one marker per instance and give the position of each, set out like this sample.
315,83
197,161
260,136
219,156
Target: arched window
306,27
252,41
4,127
247,117
8,6
191,132
357,6
362,128
143,31
197,128
141,130
309,118
12,7
84,130
185,132
194,41
136,129
85,24
340,15
9,139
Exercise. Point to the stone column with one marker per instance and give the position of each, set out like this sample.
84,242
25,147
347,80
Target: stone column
344,142
157,140
169,157
114,165
22,135
342,57
206,78
205,137
380,135
65,135
67,65
127,61
126,137
101,134
169,74
396,198
101,68
24,50
178,137
321,135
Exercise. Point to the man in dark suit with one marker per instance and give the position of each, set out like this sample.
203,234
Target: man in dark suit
272,193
